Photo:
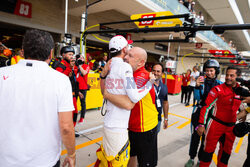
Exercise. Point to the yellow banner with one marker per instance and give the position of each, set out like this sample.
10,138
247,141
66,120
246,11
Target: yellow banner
156,23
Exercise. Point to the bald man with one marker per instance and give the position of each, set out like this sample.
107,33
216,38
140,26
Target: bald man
144,115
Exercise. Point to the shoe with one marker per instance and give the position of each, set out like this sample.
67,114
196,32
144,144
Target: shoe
187,104
198,164
81,121
189,163
77,134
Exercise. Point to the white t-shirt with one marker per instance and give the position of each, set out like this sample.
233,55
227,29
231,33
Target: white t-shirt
195,75
120,81
31,95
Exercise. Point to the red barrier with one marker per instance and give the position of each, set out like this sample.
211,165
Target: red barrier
173,83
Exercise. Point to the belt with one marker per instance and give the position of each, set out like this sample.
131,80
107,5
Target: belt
229,124
123,148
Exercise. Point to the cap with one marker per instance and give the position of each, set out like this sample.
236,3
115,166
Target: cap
117,43
193,3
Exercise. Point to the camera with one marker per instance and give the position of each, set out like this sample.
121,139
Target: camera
78,61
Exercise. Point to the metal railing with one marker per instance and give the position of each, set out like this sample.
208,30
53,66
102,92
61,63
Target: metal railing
176,8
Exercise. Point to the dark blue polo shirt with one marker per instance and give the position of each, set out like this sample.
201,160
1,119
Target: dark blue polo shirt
161,92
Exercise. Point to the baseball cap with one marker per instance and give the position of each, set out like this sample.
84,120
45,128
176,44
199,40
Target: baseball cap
117,43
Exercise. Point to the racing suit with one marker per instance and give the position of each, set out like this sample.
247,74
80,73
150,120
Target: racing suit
64,71
195,138
220,124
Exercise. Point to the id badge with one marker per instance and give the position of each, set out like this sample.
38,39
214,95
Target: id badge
158,103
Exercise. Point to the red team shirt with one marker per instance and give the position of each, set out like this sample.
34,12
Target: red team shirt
144,115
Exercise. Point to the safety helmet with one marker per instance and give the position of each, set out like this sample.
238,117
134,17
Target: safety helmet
67,49
7,52
212,64
241,129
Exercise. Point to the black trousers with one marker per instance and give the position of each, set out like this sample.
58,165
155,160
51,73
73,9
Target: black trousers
247,161
191,89
57,164
194,144
83,103
184,93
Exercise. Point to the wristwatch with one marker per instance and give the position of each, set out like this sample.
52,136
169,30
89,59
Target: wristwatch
102,76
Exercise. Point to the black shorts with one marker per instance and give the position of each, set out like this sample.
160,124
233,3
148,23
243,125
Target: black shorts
144,146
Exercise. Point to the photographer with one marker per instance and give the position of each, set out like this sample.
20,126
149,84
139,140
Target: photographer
212,69
81,72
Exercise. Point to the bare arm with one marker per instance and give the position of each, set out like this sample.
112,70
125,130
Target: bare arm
165,113
246,99
84,72
68,137
121,101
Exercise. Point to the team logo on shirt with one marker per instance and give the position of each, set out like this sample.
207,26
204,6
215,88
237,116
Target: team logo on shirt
128,73
5,77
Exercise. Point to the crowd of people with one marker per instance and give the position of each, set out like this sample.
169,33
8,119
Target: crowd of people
136,102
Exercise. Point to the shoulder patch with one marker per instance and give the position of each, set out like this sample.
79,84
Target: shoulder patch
128,73
212,93
218,88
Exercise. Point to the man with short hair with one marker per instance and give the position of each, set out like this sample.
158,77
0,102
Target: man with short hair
119,82
103,61
221,121
67,53
161,98
36,108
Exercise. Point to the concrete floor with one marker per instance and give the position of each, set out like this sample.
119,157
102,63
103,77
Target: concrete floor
173,143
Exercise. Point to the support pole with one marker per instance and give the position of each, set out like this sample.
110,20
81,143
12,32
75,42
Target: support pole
178,53
169,44
66,17
82,43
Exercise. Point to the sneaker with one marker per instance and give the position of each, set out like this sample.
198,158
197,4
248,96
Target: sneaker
198,164
187,104
189,163
81,121
76,134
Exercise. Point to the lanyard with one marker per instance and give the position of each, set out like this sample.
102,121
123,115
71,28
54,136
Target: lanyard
157,93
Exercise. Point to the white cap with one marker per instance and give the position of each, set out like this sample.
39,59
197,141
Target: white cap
117,43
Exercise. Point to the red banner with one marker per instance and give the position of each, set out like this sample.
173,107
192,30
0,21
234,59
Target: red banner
23,9
221,53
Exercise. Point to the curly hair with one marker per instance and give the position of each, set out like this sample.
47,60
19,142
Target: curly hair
37,44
